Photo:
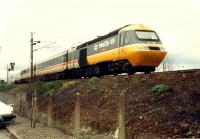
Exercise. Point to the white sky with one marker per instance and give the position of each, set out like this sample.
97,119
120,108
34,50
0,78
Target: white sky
71,22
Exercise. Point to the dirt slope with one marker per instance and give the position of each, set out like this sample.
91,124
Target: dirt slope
156,105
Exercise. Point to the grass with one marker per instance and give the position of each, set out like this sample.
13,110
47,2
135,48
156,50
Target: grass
85,133
6,87
93,80
47,86
89,85
68,84
142,79
159,88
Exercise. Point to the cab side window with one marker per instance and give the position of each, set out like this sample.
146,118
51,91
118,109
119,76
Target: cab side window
125,38
122,35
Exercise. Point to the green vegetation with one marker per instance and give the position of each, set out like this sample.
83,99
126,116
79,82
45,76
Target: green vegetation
68,84
159,88
47,86
143,79
6,87
93,80
89,85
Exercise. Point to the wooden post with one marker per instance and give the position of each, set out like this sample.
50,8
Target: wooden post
121,134
77,116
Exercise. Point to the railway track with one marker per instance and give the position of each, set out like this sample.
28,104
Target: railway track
181,71
165,72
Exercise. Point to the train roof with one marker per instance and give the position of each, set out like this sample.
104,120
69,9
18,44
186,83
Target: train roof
49,58
102,37
136,27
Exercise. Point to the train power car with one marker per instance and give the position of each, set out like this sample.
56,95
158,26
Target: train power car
130,49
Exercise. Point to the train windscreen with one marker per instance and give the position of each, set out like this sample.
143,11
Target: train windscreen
147,35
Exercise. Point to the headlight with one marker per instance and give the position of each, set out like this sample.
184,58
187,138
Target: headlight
143,47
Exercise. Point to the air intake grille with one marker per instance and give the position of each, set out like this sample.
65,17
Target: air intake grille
154,48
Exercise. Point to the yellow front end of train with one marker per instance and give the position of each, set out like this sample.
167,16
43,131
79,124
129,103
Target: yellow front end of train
138,44
147,51
142,55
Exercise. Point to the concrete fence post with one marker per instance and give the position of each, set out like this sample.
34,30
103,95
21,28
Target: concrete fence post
24,104
34,108
121,118
21,105
77,116
32,102
50,105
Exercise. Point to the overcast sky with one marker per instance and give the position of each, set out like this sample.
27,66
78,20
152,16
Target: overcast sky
68,23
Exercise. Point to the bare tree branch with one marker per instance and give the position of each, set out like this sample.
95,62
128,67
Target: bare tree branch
168,64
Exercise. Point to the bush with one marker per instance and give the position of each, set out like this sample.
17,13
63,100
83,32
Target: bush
47,86
6,87
93,80
160,88
68,84
38,86
52,85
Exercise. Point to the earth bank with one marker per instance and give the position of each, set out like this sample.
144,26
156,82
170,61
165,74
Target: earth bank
156,105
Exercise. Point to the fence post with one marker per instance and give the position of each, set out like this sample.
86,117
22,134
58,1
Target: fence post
50,108
77,116
23,104
121,119
20,105
34,105
32,102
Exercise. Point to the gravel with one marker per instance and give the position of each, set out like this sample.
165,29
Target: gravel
22,128
3,134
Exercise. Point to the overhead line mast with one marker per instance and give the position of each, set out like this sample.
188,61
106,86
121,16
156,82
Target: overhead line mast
31,58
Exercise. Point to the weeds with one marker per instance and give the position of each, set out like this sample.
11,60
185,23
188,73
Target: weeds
85,133
47,86
68,84
93,80
160,88
142,79
6,87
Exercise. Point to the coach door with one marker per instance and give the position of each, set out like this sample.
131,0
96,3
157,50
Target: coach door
83,57
121,44
124,40
66,60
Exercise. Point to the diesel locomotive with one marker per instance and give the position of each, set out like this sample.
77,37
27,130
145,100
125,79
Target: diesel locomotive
130,49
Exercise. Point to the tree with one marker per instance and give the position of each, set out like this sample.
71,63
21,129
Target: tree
168,64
